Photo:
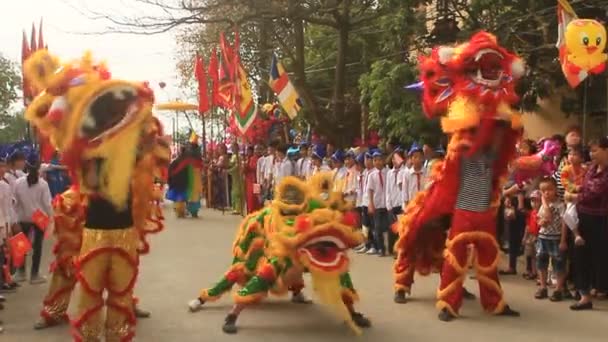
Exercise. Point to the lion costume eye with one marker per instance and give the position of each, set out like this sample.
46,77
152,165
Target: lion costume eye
291,196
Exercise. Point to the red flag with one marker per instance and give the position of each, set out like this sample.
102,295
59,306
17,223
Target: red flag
227,55
40,38
19,246
25,54
201,77
33,45
40,219
213,74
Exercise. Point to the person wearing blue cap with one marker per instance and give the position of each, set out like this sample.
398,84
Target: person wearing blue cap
394,193
318,155
376,188
350,186
8,220
339,170
16,164
367,219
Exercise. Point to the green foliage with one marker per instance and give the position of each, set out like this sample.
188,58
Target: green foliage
395,112
12,125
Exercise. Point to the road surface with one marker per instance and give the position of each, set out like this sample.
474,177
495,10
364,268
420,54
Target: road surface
192,253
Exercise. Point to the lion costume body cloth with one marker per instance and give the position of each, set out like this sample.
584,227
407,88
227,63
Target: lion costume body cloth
307,228
113,148
471,86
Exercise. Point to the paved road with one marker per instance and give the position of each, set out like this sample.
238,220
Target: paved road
194,253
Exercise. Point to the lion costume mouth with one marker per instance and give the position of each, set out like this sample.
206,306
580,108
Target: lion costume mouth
327,252
109,112
488,70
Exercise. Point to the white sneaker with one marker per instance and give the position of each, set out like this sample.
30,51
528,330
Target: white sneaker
359,248
37,280
19,277
195,305
371,251
362,250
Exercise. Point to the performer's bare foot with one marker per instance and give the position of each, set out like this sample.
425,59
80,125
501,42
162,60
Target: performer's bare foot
300,298
508,312
360,320
445,315
195,305
400,297
139,313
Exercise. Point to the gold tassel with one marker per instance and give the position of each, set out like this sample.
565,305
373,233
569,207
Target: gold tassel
329,291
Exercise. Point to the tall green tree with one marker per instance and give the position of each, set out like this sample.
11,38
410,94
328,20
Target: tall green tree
12,124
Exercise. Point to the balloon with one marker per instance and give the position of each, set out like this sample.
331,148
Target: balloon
162,85
540,164
583,52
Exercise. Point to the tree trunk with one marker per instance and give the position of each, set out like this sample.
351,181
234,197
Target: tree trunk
265,28
339,100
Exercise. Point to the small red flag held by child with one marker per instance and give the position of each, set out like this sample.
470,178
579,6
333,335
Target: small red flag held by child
40,219
19,246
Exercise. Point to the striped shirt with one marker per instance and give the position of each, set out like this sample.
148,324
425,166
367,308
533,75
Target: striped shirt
475,189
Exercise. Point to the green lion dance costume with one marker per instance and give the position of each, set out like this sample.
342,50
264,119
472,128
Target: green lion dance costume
307,228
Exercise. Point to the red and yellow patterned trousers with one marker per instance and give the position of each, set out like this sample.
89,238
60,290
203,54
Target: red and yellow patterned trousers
108,262
479,230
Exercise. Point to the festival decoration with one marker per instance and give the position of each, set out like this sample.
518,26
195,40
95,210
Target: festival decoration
284,89
539,164
581,44
470,87
19,245
201,77
306,228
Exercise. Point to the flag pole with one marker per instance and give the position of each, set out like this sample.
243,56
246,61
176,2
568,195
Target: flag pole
585,88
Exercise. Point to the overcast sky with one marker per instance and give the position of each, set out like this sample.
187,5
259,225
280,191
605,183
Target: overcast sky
131,57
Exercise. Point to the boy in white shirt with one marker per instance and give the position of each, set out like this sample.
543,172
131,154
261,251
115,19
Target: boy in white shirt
376,188
318,156
268,169
303,165
351,181
367,219
394,197
339,171
283,167
16,164
414,181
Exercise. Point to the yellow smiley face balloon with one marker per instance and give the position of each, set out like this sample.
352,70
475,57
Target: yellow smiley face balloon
585,44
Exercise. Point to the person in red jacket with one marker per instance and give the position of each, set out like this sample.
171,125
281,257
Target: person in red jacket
252,196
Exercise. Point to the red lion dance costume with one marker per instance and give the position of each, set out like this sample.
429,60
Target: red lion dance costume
114,149
471,87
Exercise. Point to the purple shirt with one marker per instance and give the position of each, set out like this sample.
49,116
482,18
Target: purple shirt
593,196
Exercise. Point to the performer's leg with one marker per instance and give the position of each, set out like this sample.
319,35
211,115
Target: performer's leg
349,297
180,209
92,271
57,300
120,316
253,292
404,276
214,293
452,277
297,296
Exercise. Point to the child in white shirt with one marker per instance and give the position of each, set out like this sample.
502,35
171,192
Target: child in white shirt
283,166
376,188
414,181
394,197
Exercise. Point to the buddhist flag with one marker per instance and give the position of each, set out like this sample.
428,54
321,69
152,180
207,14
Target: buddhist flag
201,77
245,113
280,84
213,74
19,246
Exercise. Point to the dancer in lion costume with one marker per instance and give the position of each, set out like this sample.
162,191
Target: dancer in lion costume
471,87
307,228
113,148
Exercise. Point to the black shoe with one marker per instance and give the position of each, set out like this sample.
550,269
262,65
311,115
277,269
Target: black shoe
578,306
445,315
541,294
567,294
229,326
360,320
508,272
468,295
508,312
300,299
577,296
140,313
400,297
557,296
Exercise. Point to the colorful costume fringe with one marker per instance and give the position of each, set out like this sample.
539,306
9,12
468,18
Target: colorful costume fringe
304,229
472,107
185,182
104,130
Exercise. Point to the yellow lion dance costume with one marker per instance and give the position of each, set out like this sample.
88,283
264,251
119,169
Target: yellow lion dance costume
113,148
